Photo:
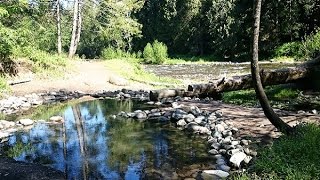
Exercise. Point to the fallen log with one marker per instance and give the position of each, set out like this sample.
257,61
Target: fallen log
156,95
274,77
234,83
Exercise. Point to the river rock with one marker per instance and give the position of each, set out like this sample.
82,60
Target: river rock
199,119
189,118
193,126
140,115
6,124
56,118
178,114
247,159
224,168
26,122
218,114
181,123
237,158
244,142
219,173
219,128
213,152
216,146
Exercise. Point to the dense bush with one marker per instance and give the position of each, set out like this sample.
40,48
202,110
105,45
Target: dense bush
112,53
156,53
148,54
311,46
291,49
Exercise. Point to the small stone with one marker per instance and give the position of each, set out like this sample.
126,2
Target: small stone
26,122
219,173
199,119
226,133
247,159
244,142
127,96
189,118
4,135
233,151
219,128
56,118
253,153
224,168
314,111
181,123
212,140
218,114
213,152
237,158
150,103
235,143
6,124
204,130
140,115
113,116
216,146
227,140
222,151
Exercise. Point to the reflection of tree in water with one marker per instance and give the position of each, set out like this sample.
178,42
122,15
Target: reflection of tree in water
88,146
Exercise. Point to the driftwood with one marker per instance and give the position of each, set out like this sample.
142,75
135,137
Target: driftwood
214,88
19,81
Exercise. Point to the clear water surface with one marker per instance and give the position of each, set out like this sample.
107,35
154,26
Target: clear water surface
90,145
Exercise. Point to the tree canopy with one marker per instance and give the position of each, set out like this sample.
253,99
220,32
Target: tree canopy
187,27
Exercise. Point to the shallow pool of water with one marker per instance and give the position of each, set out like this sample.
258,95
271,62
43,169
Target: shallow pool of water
90,145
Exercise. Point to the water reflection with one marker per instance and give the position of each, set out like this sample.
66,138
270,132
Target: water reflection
91,146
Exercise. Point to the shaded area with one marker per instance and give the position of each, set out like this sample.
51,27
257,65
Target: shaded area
90,145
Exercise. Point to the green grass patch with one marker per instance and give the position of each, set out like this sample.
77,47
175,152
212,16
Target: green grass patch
293,157
279,96
132,69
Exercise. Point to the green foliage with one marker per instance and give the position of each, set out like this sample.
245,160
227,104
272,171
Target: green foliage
156,53
292,157
311,45
112,53
7,41
291,49
148,54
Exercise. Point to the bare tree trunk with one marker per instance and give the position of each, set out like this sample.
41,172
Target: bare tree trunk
59,45
74,28
79,26
261,95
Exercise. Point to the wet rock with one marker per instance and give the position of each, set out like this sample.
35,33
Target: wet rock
26,122
219,173
237,158
227,140
220,161
181,123
56,118
235,143
178,114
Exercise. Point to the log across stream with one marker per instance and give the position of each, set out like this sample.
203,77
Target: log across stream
302,72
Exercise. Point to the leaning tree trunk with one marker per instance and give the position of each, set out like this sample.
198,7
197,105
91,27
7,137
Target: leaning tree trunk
261,95
79,26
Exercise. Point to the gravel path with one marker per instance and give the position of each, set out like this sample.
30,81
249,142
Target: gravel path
86,76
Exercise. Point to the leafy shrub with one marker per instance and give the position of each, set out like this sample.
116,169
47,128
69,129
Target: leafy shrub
6,42
156,53
311,46
148,54
160,51
109,53
292,49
